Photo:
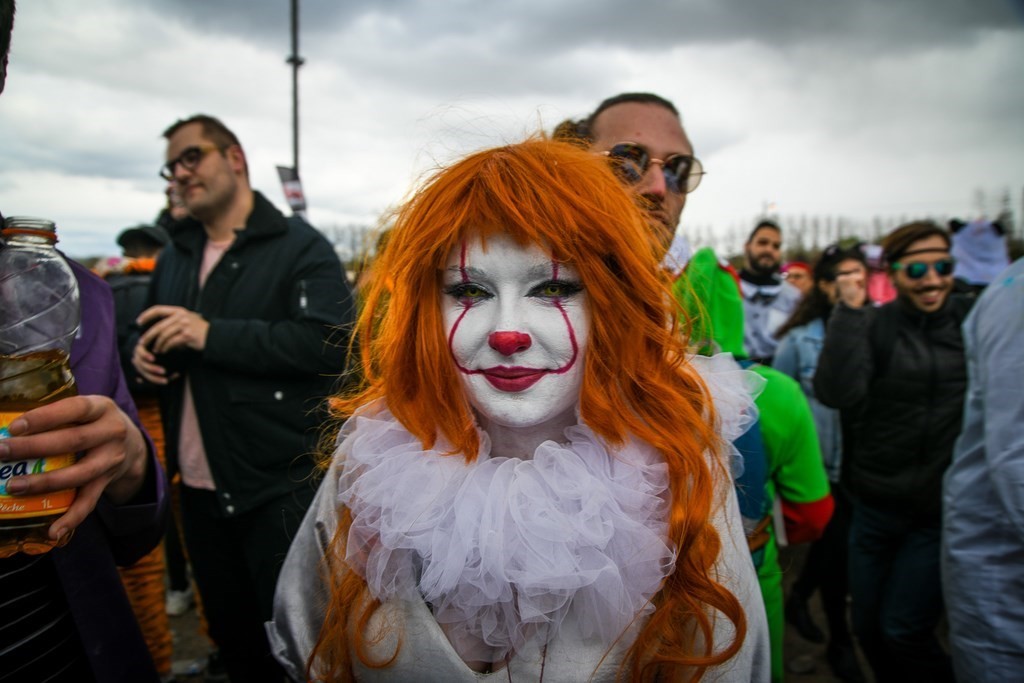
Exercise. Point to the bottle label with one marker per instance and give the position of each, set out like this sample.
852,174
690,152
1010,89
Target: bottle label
34,505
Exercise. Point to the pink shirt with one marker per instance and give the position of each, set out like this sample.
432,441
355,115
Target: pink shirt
192,460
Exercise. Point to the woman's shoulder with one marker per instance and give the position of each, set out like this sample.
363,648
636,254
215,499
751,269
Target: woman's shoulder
815,329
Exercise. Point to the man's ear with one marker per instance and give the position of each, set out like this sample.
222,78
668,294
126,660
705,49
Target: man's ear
236,157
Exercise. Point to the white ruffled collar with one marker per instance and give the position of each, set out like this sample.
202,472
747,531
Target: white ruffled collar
503,548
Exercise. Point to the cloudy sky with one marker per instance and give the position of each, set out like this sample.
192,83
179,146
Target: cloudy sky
856,109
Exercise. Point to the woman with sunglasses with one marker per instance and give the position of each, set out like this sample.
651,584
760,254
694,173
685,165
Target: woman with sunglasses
899,372
531,484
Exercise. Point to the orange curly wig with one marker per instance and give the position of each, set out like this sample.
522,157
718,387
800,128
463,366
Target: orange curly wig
636,381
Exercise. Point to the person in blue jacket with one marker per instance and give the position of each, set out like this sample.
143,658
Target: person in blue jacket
983,494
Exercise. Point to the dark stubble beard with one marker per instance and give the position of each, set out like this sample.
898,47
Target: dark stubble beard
757,267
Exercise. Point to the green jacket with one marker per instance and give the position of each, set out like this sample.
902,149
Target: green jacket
708,292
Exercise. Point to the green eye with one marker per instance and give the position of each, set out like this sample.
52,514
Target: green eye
467,292
556,289
553,289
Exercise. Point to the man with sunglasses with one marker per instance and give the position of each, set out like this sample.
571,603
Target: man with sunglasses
642,136
242,335
898,372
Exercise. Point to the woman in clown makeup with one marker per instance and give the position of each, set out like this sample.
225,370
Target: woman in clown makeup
533,482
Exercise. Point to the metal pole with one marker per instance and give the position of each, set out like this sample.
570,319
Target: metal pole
296,61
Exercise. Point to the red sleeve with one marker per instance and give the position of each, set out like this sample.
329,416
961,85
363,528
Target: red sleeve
807,521
727,267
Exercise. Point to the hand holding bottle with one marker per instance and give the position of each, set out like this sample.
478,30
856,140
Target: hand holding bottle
113,454
39,318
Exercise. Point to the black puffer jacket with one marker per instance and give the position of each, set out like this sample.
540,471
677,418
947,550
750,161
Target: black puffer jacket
900,375
279,309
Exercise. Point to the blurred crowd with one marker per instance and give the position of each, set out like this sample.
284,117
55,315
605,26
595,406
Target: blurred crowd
887,433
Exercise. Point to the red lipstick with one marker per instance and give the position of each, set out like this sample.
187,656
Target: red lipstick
514,379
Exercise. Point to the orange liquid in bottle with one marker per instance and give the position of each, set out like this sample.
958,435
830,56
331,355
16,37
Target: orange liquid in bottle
27,382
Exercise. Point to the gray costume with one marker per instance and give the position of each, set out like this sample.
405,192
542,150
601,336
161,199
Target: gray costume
426,654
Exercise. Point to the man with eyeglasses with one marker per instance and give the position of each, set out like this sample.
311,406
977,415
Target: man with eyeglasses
642,136
242,335
899,373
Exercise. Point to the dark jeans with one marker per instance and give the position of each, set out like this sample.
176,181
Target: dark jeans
235,564
174,556
826,569
897,595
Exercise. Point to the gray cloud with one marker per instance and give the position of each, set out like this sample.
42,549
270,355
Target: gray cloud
96,160
565,25
854,104
877,24
443,50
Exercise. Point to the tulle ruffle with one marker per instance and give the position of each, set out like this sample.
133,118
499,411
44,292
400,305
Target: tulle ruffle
503,549
733,391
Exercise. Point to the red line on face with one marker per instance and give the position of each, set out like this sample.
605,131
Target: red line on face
508,385
568,326
465,310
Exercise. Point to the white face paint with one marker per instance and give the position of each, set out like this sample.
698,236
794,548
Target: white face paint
517,325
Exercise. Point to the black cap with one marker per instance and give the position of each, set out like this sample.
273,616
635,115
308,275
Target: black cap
153,235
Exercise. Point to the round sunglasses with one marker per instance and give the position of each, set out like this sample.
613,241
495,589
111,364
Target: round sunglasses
916,270
630,161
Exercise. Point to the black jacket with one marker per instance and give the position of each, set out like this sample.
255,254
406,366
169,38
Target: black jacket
899,375
279,309
130,292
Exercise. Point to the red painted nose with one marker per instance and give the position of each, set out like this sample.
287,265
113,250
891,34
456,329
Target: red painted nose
507,343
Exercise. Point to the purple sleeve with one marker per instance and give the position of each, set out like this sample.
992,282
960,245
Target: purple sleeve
94,357
136,527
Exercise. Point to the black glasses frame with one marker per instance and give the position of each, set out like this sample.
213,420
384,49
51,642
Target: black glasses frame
189,158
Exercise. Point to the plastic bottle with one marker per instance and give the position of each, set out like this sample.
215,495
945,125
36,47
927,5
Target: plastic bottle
39,317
